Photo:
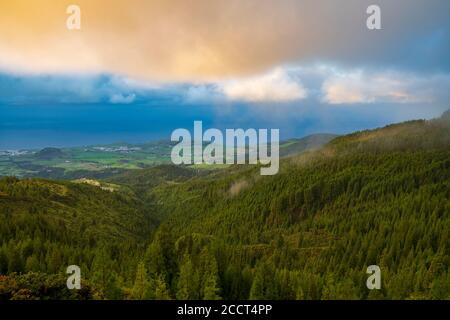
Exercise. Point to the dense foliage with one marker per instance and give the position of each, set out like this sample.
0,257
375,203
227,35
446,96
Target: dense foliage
46,226
374,197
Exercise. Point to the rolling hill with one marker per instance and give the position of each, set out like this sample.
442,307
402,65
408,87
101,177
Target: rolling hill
106,161
372,197
46,226
311,142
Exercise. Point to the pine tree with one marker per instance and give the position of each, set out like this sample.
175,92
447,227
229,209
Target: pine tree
101,267
32,264
113,289
141,283
161,290
210,288
187,287
264,286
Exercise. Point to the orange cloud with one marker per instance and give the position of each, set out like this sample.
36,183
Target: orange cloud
197,40
181,40
392,87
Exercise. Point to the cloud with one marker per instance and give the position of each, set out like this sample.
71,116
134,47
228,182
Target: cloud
119,98
355,87
203,40
276,86
67,89
203,94
313,84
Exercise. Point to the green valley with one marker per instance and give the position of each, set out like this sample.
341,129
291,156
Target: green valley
375,197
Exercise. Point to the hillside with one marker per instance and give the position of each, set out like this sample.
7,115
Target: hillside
311,142
46,226
144,180
373,197
49,154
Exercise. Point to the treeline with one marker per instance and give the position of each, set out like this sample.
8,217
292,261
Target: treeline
309,232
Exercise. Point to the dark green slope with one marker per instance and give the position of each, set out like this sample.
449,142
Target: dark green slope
45,226
374,197
77,211
394,150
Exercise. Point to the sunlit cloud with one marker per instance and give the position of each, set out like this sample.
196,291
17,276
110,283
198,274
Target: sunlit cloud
355,87
207,41
276,86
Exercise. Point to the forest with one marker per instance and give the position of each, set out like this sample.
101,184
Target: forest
375,197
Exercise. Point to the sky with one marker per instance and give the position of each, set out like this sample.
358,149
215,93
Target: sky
137,70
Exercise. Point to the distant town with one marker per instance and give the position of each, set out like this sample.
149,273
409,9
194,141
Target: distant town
122,149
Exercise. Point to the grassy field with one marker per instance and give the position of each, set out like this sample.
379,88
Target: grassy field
102,161
60,163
